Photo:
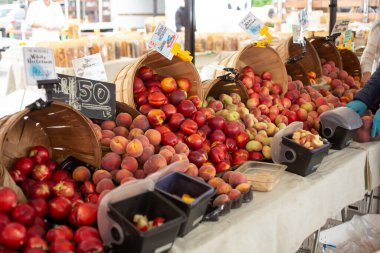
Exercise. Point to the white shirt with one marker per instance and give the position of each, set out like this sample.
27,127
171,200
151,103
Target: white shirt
371,52
41,14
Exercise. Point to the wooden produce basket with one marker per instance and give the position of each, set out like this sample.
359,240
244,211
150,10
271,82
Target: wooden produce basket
297,72
218,86
327,50
351,63
261,60
175,68
57,126
310,62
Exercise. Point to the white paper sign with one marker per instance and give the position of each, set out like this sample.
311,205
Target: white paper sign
39,64
298,34
163,40
347,36
90,67
251,24
340,26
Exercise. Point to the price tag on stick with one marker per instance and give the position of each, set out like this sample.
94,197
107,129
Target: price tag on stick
252,25
340,26
90,67
163,40
39,64
95,99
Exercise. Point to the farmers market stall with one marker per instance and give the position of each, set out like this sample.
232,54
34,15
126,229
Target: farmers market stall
279,221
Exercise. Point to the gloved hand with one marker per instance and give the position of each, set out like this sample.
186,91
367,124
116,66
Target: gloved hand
357,106
376,124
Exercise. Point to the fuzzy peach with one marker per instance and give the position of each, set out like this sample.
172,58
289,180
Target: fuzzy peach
223,188
215,181
170,148
124,119
192,170
99,175
207,171
182,148
143,139
141,122
167,154
127,179
104,184
121,131
154,163
135,148
139,174
243,187
108,134
135,132
120,174
118,144
111,161
129,163
81,174
226,176
146,154
237,178
178,157
153,136
221,200
234,194
108,125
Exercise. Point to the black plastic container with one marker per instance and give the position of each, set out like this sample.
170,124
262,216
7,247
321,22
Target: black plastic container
340,139
153,205
304,161
70,163
174,185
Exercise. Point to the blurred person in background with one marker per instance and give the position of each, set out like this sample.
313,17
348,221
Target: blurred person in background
371,52
180,18
46,19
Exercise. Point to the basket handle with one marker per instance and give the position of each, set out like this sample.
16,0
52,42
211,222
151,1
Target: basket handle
332,37
38,104
298,57
231,76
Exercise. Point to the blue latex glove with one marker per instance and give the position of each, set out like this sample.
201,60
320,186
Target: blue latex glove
357,106
376,124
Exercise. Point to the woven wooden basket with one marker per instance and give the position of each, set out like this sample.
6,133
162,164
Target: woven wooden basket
218,86
297,72
261,60
351,63
59,127
327,50
310,62
175,68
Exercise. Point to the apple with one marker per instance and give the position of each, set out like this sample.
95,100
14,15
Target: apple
59,175
59,208
24,165
84,214
13,236
17,176
8,199
40,206
23,213
39,190
39,154
64,188
41,172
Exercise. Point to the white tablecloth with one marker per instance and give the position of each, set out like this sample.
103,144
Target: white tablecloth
279,221
372,164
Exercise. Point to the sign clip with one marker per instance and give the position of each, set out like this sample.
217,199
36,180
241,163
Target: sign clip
182,54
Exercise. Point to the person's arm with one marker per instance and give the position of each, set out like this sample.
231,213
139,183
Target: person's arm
369,53
370,93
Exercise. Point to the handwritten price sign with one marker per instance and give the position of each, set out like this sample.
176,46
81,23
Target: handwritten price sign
163,41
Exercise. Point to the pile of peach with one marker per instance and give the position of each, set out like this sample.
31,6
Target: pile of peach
343,85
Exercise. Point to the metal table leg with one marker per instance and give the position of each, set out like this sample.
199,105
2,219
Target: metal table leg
370,201
344,214
316,240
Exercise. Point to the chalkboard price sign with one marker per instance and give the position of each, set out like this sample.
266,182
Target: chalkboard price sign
95,99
